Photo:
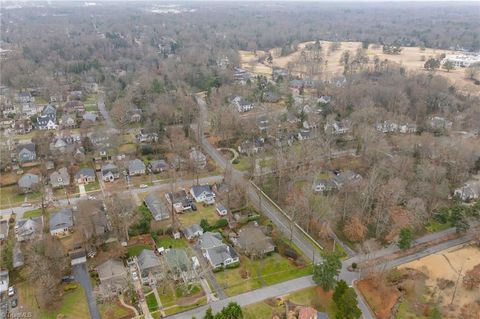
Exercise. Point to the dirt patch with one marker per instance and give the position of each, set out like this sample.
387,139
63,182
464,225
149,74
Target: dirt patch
381,301
443,270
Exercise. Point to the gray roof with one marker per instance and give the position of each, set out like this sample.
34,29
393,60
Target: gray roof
177,259
90,116
110,269
26,146
136,165
147,260
210,240
159,164
217,250
49,109
61,219
62,174
157,207
192,229
344,177
29,227
109,168
28,180
199,189
252,238
86,171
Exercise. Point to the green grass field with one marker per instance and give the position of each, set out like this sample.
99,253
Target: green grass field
137,249
91,103
92,186
263,272
151,302
9,196
169,242
244,164
32,213
192,217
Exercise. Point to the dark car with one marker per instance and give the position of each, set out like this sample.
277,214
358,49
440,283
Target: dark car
14,302
194,207
68,279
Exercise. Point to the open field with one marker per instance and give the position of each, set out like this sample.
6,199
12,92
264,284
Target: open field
413,58
447,265
191,217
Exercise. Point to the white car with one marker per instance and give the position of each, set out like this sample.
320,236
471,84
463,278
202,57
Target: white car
91,197
143,186
11,291
134,275
26,205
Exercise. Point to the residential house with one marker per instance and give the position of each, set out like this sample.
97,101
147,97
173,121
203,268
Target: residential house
343,178
271,97
30,228
68,121
134,115
250,147
60,178
202,194
17,256
23,126
157,166
26,152
61,223
90,117
387,127
30,109
311,313
157,207
150,267
241,104
469,191
262,122
324,185
146,137
4,282
253,242
304,134
440,123
179,265
136,167
75,95
113,276
24,97
179,200
110,172
279,74
48,119
28,182
408,128
221,210
85,175
336,128
241,75
74,107
198,159
323,100
217,253
192,231
60,145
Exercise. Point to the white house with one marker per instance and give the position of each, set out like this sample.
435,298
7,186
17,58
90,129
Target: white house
202,194
241,104
61,223
216,252
469,191
221,210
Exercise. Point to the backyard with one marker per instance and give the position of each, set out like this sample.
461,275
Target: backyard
194,217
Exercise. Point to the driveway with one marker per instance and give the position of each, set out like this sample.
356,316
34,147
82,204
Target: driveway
81,275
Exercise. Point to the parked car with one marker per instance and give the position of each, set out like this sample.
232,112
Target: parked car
68,278
26,205
91,197
134,275
11,291
194,207
143,186
14,302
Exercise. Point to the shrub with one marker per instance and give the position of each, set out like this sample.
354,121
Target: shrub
234,265
354,265
70,286
221,223
236,161
290,253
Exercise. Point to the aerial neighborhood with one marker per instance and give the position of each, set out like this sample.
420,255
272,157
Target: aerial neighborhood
239,160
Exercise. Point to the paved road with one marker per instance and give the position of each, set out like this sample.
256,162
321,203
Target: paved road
81,275
104,112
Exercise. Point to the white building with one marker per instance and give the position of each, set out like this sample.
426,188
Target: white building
462,60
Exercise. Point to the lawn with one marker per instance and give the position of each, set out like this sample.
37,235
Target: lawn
74,303
91,103
92,186
9,196
151,302
169,242
191,217
176,309
263,272
128,148
32,213
244,164
313,297
137,249
113,310
435,226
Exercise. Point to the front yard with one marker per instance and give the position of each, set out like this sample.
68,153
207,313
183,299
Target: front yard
253,274
174,301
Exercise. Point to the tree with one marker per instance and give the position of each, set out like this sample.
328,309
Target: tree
324,273
431,64
208,314
448,65
345,299
405,241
